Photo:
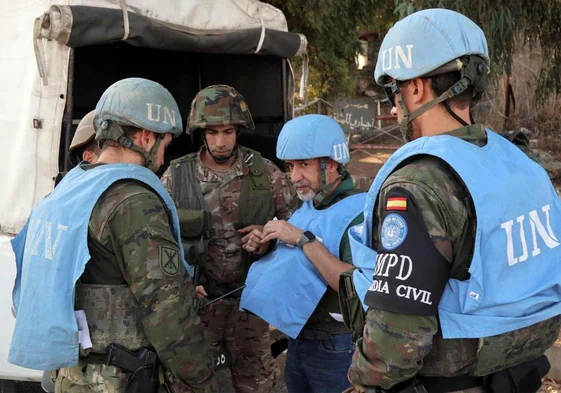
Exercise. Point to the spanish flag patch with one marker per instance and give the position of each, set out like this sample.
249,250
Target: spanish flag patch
396,204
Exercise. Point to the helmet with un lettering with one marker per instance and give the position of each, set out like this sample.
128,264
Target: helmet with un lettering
139,103
312,136
432,42
219,105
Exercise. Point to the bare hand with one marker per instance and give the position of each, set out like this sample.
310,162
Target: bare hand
200,291
252,241
281,230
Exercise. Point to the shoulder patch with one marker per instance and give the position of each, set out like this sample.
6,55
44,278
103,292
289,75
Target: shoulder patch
394,231
169,260
396,203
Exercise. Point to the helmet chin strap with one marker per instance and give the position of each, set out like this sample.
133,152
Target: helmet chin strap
119,136
406,126
324,187
149,161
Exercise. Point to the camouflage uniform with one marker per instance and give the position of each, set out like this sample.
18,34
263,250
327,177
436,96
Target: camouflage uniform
128,228
396,347
245,337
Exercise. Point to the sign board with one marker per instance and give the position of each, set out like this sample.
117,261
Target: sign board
355,115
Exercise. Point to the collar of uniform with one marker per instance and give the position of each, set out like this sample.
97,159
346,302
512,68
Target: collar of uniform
339,193
474,133
238,168
87,166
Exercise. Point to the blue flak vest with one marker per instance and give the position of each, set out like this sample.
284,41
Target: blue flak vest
51,254
515,273
284,288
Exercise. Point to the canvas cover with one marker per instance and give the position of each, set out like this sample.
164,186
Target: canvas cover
33,106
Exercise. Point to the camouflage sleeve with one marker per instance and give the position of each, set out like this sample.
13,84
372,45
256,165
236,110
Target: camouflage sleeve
138,232
394,344
281,188
166,180
392,348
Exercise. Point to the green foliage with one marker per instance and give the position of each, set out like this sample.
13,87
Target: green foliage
332,29
507,24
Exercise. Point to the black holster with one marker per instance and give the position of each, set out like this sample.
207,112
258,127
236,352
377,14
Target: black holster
141,366
523,378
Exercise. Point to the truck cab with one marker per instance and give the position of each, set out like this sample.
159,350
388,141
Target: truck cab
58,61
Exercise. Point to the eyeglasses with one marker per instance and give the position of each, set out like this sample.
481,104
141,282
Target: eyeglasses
391,89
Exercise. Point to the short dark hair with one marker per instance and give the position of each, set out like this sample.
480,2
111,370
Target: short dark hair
92,146
441,83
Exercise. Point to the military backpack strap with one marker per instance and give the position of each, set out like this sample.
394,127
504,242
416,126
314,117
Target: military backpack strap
195,221
183,174
257,203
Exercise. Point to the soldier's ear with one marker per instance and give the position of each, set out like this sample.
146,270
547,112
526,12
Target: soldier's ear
87,156
146,138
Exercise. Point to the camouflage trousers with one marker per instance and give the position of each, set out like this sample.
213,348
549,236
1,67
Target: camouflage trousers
245,340
90,378
100,378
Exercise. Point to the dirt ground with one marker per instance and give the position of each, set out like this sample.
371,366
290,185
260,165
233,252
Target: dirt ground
550,386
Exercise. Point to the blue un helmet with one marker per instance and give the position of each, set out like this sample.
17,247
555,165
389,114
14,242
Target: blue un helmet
313,136
139,103
429,43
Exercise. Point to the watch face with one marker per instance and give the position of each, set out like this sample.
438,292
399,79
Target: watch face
307,237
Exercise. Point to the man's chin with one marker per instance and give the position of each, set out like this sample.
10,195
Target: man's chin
306,196
222,154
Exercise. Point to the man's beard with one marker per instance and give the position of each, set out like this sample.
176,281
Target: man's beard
305,196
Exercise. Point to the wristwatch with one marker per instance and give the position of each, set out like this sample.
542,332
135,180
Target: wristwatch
306,237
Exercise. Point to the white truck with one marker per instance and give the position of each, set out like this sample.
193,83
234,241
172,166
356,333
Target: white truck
57,58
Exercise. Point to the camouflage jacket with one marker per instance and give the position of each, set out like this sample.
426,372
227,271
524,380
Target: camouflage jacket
221,192
395,347
128,229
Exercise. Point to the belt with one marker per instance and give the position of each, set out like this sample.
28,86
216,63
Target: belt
450,384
